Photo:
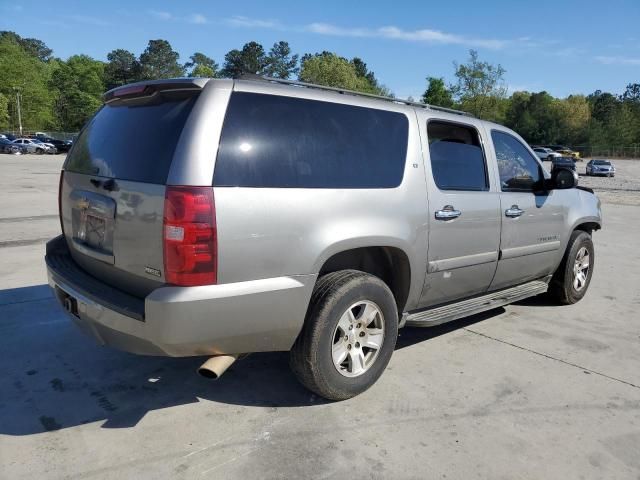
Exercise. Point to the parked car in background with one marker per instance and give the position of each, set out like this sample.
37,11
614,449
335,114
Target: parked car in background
564,151
7,146
31,146
563,162
51,148
544,153
9,136
600,167
324,248
61,145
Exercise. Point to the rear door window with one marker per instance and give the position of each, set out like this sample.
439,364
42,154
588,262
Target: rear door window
457,158
277,141
132,141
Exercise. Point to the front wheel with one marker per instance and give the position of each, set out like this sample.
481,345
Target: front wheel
571,281
348,336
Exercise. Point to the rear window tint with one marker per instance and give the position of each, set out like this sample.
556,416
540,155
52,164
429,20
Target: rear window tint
274,141
132,142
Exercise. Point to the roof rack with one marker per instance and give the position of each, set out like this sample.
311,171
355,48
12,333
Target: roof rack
260,78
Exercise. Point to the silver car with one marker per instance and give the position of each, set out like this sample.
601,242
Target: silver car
223,217
600,167
30,145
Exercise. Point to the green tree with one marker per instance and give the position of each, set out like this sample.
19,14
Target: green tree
363,72
574,115
23,72
251,59
329,69
280,63
437,93
4,111
79,84
480,88
122,68
199,65
33,46
159,60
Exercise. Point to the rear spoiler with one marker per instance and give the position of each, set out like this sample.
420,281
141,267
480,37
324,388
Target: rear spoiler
150,87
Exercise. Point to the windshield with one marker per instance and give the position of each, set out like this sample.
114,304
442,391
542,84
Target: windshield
601,162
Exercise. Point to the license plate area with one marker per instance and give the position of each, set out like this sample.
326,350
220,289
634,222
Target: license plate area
92,222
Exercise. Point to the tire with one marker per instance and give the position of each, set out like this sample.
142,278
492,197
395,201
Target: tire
565,287
325,331
39,151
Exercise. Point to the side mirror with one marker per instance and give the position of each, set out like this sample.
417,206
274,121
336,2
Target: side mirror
563,178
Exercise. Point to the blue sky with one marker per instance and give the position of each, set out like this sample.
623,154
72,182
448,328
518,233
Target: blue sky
560,46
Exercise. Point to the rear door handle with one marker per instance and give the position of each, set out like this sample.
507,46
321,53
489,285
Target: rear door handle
447,213
514,211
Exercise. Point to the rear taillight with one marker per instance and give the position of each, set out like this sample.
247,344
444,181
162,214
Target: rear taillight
189,236
60,183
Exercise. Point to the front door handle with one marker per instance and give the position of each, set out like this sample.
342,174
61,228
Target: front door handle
448,213
514,211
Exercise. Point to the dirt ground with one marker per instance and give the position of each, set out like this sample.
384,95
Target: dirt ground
623,189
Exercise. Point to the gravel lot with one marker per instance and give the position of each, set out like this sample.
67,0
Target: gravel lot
527,391
623,189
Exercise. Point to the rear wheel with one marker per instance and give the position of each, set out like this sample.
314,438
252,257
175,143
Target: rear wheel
571,281
348,337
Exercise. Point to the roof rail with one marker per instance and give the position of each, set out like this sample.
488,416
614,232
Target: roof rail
260,78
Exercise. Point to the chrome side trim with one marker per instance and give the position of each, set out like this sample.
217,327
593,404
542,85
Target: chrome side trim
453,311
529,250
459,262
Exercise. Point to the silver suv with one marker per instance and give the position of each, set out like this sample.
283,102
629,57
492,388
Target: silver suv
223,217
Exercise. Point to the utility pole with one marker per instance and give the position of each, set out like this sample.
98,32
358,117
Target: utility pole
19,110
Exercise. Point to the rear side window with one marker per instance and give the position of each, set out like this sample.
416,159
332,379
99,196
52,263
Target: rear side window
274,141
457,159
133,141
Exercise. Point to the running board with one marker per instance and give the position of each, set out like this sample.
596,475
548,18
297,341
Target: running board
453,311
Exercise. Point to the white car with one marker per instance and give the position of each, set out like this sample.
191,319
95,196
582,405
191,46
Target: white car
546,153
35,146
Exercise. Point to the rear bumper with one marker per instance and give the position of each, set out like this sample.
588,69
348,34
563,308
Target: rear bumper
253,316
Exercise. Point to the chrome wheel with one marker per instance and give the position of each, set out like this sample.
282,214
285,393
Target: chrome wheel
581,269
357,339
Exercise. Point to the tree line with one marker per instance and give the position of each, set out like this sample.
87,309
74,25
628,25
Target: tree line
61,94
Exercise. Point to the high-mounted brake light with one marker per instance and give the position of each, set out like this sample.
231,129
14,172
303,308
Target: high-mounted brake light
189,236
131,90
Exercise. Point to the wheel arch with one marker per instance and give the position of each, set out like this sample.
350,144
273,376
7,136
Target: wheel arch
389,263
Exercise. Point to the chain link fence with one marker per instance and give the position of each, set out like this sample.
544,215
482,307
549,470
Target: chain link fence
49,133
608,151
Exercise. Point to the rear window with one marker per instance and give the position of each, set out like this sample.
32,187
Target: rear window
274,141
132,142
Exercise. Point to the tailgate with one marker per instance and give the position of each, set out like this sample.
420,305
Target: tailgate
113,188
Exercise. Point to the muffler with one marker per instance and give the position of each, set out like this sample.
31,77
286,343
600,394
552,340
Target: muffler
216,366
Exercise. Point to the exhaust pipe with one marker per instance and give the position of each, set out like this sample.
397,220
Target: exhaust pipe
216,366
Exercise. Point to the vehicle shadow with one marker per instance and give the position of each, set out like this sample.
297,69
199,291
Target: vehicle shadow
53,377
